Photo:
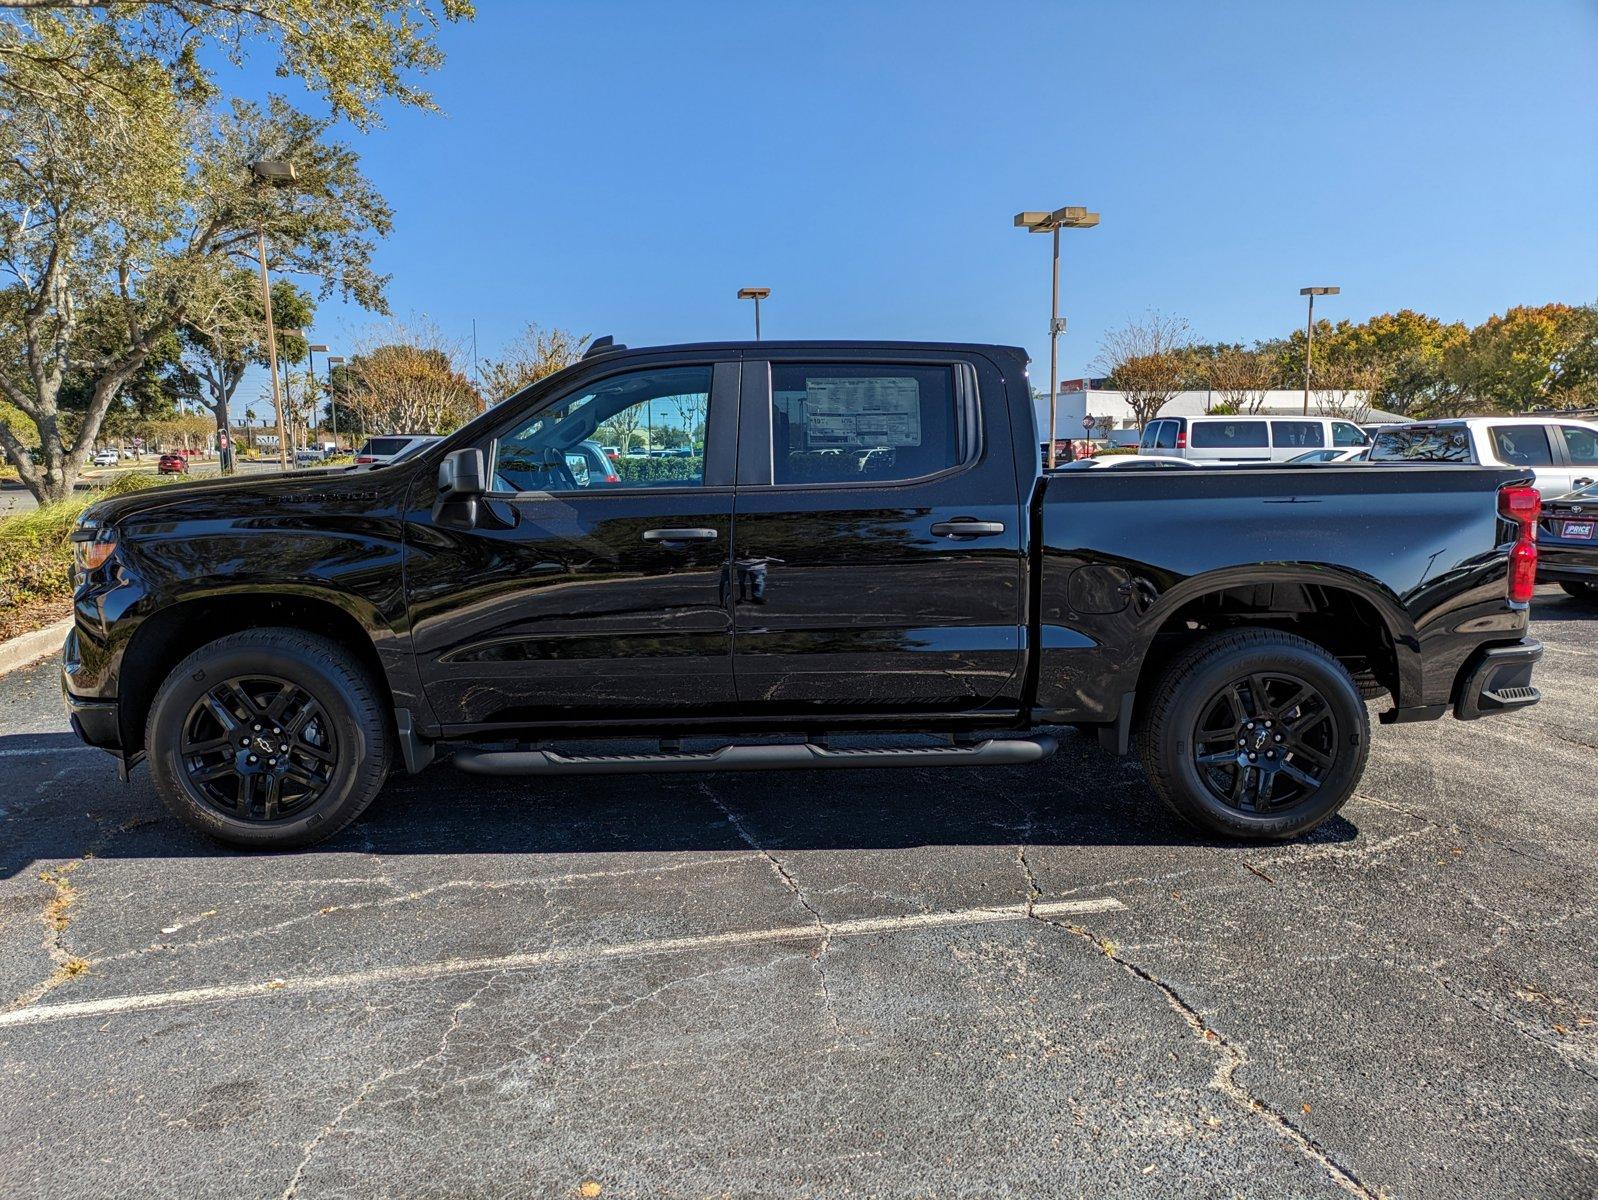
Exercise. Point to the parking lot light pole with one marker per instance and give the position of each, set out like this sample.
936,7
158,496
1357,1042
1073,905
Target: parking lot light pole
1309,333
1072,217
275,173
757,295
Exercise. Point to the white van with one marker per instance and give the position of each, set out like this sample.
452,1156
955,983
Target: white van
1238,439
1560,452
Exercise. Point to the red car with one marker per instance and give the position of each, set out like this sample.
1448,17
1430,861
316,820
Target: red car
172,464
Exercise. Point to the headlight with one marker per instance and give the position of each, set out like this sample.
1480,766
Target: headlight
92,543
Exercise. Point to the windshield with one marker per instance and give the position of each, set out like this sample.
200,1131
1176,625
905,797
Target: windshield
1422,443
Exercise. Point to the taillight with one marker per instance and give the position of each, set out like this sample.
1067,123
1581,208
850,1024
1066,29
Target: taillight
362,459
1181,439
612,478
1522,505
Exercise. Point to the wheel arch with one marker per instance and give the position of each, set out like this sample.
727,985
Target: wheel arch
1353,616
169,634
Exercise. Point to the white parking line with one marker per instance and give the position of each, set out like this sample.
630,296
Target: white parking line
39,1014
40,751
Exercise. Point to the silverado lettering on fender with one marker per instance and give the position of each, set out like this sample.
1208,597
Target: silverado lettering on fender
741,542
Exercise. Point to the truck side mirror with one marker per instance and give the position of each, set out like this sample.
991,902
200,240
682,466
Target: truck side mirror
460,476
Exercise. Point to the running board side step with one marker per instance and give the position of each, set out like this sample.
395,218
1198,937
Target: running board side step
990,753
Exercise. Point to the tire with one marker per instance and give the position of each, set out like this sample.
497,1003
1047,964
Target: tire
211,736
1582,590
1204,689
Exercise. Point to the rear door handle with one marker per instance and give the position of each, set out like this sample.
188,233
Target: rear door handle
961,528
680,535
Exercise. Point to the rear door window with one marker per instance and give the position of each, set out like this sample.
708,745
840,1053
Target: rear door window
864,423
1423,443
1150,435
385,445
1581,444
1298,435
1167,438
1228,435
1522,445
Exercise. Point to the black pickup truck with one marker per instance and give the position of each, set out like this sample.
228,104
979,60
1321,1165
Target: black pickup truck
765,548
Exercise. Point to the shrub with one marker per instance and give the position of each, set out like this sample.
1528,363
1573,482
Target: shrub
36,555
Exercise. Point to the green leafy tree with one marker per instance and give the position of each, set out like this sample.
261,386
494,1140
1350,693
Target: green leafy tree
533,355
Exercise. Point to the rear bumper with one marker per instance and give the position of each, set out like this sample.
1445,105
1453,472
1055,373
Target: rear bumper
1563,562
1497,679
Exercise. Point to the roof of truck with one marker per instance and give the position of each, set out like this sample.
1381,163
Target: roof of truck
769,346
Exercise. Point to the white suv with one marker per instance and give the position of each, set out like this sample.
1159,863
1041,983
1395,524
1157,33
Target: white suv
1561,454
1251,438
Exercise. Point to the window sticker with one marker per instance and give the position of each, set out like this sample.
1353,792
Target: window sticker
860,414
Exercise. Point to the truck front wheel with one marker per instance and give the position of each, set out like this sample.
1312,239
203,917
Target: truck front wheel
268,739
1255,734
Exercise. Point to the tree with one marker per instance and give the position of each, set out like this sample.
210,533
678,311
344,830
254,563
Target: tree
406,379
534,354
351,53
1241,378
84,230
124,189
225,334
1145,361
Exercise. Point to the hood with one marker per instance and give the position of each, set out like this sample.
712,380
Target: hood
242,493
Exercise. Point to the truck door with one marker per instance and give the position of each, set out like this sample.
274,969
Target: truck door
580,592
880,532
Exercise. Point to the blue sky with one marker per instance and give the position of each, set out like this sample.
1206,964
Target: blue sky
623,168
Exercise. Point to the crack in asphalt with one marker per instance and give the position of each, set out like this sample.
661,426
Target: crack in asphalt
818,957
1233,1059
291,1190
544,882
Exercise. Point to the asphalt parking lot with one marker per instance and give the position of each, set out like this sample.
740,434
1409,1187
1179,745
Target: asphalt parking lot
1024,982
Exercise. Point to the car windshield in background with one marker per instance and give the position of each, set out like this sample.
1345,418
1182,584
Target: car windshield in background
385,445
1427,443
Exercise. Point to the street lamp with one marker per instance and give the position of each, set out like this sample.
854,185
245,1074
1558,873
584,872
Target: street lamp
333,360
274,173
1072,217
1309,333
757,295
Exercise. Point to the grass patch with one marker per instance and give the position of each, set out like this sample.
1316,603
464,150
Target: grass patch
36,556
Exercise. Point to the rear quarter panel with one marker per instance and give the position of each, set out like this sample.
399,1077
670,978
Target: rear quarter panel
1424,545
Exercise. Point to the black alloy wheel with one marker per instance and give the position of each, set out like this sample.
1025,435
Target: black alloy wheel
1265,741
258,748
269,738
1254,733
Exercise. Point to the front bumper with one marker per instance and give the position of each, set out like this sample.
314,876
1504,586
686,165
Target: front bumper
94,719
1497,679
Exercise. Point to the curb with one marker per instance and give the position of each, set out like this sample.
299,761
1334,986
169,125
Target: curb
29,648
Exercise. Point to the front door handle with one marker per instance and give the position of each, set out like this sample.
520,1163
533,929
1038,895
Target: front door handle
680,535
965,528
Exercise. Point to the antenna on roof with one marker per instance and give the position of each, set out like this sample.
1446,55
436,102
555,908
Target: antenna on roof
602,345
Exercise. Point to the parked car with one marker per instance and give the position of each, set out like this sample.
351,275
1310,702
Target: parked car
1561,454
172,464
1124,462
379,451
1350,454
272,643
1247,438
1568,543
104,458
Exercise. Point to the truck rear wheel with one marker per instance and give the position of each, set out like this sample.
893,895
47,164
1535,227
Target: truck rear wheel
1255,734
1582,590
268,739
